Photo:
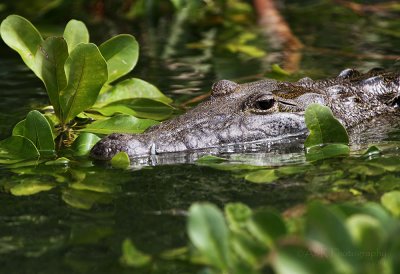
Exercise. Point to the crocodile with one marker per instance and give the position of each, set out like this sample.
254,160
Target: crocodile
263,111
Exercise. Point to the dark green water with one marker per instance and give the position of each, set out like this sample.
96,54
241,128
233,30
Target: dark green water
85,211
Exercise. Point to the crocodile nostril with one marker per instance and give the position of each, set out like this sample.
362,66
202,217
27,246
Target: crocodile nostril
223,87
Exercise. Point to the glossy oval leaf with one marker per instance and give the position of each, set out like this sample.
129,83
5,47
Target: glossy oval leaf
147,108
86,72
290,259
75,33
121,54
208,232
323,126
121,160
130,89
391,201
50,60
120,124
326,226
19,128
267,227
20,35
366,232
38,130
84,143
237,215
112,110
17,148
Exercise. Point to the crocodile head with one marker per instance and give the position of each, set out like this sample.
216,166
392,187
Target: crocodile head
262,111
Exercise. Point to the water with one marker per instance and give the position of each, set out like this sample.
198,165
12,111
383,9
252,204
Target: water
79,220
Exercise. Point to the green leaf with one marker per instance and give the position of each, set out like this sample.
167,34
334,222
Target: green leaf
316,153
17,148
131,256
262,176
300,260
20,35
267,227
30,187
75,33
84,143
130,89
372,151
278,70
140,107
237,215
111,110
120,124
391,201
326,226
38,130
323,126
62,161
86,72
50,60
121,160
146,108
209,234
247,248
121,53
19,128
366,232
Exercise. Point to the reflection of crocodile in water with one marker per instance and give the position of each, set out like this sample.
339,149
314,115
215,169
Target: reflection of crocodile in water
263,111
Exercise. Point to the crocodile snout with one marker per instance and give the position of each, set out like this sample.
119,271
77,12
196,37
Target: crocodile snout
114,143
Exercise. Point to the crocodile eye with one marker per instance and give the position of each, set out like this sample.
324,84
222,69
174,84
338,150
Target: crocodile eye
265,104
261,104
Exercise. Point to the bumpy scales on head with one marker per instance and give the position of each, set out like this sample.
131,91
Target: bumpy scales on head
261,111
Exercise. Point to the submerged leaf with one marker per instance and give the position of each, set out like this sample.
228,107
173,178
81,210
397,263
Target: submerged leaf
324,127
86,72
17,148
120,124
262,176
30,187
20,35
131,256
121,54
75,33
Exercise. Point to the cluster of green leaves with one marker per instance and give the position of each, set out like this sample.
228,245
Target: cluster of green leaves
326,239
80,81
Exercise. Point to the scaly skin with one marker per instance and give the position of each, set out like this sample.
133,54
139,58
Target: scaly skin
262,111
